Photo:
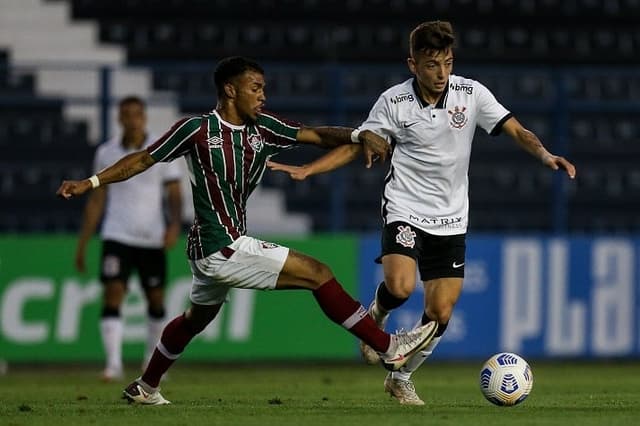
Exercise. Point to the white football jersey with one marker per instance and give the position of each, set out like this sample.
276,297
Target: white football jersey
133,213
427,183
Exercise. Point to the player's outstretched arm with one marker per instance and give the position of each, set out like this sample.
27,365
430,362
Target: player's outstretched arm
128,166
374,146
332,160
530,143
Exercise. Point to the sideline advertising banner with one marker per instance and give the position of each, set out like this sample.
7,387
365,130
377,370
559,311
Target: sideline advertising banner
49,312
537,296
543,297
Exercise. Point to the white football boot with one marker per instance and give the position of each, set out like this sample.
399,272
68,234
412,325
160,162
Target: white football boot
136,394
404,345
402,390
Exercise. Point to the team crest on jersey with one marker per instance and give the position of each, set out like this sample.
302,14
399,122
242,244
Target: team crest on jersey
458,118
406,237
255,141
215,142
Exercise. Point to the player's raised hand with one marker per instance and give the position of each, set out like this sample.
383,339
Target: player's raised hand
73,188
556,162
374,146
295,172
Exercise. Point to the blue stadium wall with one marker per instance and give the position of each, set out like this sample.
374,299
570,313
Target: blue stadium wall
535,295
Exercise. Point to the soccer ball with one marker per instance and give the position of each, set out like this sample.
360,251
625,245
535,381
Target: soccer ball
506,379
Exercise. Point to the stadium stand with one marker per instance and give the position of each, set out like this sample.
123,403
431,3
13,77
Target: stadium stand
38,148
580,97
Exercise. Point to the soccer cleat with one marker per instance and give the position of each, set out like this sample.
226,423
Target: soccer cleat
135,394
402,390
404,345
369,355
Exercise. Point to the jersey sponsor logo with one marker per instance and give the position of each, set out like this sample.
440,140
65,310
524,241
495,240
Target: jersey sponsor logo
215,142
268,245
406,237
449,222
466,88
458,117
256,142
403,97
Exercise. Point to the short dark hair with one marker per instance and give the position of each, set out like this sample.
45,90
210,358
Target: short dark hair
431,37
231,67
132,99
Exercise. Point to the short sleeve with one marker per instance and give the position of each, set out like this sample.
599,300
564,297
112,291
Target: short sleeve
177,141
278,133
379,120
491,114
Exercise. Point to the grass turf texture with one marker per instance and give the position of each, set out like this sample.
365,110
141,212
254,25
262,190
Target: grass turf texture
568,393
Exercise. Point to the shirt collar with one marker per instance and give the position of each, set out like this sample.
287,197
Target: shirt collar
441,102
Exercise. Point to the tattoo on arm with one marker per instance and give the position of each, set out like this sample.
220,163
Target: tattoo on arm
531,143
126,167
332,137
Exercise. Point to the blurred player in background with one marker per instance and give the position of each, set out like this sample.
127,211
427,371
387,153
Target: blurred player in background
429,120
134,233
227,151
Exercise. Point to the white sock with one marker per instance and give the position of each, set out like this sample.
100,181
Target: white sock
154,332
111,330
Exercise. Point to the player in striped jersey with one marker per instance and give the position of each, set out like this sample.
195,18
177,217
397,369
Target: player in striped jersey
430,121
227,151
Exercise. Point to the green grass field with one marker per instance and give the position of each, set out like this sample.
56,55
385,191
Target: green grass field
567,393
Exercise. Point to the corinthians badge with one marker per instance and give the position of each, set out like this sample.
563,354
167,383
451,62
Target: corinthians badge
458,118
406,236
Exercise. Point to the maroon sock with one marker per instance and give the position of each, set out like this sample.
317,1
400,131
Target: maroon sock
175,337
350,314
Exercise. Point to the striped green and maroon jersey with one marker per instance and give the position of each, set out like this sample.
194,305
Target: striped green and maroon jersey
226,162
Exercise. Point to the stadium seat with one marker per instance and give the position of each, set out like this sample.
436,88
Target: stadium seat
323,69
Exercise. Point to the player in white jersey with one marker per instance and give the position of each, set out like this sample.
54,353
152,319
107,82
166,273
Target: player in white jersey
227,151
430,121
134,233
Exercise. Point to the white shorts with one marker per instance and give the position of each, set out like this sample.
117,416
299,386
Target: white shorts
245,263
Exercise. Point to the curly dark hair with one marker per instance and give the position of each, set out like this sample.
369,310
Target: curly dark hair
231,67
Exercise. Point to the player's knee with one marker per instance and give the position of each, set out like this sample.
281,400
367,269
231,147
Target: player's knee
319,273
114,293
388,300
440,312
400,286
